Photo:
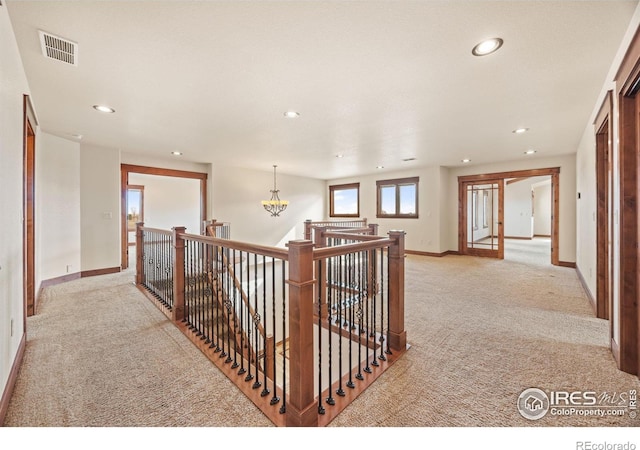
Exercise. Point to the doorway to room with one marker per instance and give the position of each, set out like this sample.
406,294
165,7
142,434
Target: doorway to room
473,208
28,199
166,197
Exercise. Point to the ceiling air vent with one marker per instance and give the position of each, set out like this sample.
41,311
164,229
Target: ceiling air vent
60,49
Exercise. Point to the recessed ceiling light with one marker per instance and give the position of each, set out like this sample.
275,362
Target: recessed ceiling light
520,130
409,159
529,152
291,114
176,153
339,156
466,160
379,167
104,109
487,46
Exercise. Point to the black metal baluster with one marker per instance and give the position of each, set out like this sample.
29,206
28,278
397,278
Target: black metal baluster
361,295
373,313
256,322
225,296
283,408
234,319
330,400
388,349
319,299
350,286
340,391
382,296
208,292
249,321
230,300
217,293
241,300
275,399
265,388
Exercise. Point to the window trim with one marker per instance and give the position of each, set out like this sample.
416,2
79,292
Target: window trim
344,187
396,182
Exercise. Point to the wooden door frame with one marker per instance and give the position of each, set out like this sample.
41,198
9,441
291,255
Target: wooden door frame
28,216
603,127
626,351
462,223
126,169
554,172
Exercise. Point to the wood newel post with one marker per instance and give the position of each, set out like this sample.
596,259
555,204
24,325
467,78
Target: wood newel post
307,229
139,253
373,227
301,409
320,241
177,313
397,333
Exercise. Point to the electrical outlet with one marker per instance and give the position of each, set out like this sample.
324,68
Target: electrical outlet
106,215
68,268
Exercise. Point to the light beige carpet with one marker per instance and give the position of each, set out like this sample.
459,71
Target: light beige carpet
481,331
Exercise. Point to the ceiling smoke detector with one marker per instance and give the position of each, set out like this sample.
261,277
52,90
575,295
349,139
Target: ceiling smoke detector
60,49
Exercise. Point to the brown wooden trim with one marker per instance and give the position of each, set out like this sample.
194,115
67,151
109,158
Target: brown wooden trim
125,169
629,69
542,235
522,238
163,172
628,222
13,376
586,289
28,214
555,219
529,173
421,253
124,238
603,135
343,187
59,280
567,264
515,180
96,272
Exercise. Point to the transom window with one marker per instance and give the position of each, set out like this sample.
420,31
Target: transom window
398,198
344,200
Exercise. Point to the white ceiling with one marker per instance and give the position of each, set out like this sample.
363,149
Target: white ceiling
375,81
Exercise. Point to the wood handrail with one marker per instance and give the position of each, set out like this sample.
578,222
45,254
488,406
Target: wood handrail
273,252
157,230
353,237
329,252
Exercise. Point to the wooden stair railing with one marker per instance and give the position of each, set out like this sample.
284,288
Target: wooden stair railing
299,392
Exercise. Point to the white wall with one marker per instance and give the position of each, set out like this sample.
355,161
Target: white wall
423,233
586,185
517,210
237,193
567,226
100,207
13,84
57,207
542,209
170,201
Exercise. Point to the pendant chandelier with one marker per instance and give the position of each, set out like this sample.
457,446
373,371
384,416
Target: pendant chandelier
275,206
